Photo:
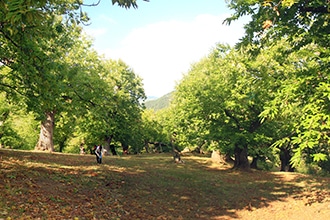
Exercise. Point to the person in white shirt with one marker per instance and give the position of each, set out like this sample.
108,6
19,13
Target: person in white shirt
98,153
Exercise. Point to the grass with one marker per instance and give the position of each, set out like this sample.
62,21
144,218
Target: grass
36,185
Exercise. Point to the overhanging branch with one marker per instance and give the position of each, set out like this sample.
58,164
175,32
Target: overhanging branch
228,113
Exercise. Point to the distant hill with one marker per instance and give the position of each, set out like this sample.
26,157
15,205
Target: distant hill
160,103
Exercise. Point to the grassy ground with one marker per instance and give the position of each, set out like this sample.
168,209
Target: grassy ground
57,186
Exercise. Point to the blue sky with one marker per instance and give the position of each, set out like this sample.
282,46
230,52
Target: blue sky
162,38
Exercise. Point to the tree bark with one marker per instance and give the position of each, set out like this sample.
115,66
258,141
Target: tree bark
175,149
198,149
125,148
254,163
45,141
241,158
285,158
61,145
113,149
108,140
228,158
217,157
146,146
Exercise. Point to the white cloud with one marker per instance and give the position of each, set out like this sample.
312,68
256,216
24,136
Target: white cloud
161,52
95,32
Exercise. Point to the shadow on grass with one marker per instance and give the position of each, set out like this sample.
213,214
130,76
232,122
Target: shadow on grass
144,186
193,191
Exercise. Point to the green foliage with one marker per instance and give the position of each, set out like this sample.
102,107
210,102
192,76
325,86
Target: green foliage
303,22
26,127
18,129
216,101
235,98
152,127
273,90
304,99
301,97
127,3
51,66
114,106
72,147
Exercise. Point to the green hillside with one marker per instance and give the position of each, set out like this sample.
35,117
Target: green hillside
160,103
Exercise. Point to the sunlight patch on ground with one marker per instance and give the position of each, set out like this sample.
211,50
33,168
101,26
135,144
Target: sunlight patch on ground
184,198
219,166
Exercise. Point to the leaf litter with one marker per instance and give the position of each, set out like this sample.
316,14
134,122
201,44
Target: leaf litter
36,185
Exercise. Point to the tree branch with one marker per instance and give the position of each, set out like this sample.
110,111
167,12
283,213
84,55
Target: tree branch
228,113
316,10
82,98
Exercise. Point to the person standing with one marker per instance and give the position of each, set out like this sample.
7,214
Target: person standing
98,153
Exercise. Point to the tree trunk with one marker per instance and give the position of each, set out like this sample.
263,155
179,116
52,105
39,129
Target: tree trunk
61,145
198,149
228,158
108,140
217,157
146,146
175,150
254,163
125,148
113,149
160,147
45,141
285,158
241,159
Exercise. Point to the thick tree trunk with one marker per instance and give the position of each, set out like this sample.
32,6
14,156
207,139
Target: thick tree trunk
113,149
241,158
45,141
108,143
285,158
